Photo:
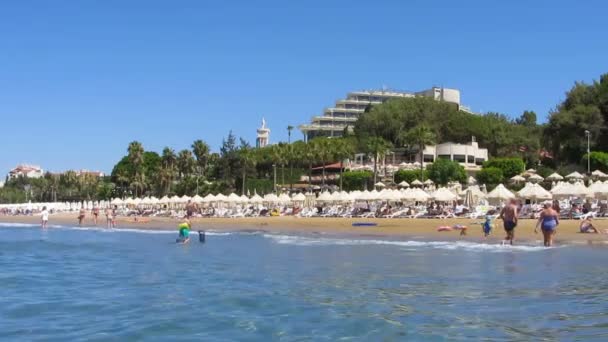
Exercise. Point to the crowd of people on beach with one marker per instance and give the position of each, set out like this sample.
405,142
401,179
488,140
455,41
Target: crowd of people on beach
547,214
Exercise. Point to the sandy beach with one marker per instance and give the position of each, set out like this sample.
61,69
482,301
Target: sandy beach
568,230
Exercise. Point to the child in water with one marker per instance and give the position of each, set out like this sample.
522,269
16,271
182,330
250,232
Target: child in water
487,225
184,231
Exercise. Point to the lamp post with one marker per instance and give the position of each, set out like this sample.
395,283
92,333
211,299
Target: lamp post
588,135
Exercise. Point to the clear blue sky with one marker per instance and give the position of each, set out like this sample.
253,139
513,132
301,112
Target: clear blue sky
79,80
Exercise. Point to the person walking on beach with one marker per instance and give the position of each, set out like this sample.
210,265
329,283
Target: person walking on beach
109,218
95,213
81,215
191,208
45,217
548,222
509,216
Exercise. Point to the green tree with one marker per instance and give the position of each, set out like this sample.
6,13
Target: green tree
443,171
410,175
324,150
343,149
185,163
248,157
490,176
509,166
376,146
136,158
420,136
201,153
599,161
356,180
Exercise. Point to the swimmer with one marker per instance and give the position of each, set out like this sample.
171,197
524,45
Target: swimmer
487,225
184,231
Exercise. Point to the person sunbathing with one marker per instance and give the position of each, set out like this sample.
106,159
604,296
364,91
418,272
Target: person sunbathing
586,226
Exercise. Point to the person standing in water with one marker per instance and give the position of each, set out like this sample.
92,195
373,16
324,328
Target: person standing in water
45,217
81,215
184,231
548,222
509,214
95,213
109,218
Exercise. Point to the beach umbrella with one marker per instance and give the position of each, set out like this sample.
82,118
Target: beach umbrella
444,195
555,177
517,179
299,197
233,198
209,198
184,199
379,185
579,189
404,165
197,199
325,196
500,193
471,180
403,184
575,175
256,199
244,199
272,198
535,192
117,201
221,198
284,198
535,178
165,199
416,183
174,199
599,174
428,182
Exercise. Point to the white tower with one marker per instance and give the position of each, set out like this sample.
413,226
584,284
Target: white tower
263,135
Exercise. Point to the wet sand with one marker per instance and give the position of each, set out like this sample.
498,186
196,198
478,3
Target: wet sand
568,230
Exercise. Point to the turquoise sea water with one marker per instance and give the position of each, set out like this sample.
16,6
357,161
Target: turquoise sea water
68,284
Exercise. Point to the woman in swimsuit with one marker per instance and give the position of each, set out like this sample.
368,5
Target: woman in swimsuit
548,222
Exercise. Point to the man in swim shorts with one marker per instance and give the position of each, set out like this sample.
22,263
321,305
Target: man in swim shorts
508,214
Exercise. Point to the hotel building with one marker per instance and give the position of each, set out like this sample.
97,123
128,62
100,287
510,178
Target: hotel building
345,113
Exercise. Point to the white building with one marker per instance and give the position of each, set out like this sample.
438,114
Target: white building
470,155
345,113
263,136
26,170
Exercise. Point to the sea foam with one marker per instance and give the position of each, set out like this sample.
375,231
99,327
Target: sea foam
446,245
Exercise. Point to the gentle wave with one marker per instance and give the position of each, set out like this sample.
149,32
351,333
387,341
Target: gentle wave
28,225
110,230
448,245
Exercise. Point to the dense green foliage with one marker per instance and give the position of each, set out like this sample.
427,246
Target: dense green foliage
509,166
410,175
490,176
598,161
585,108
443,171
357,180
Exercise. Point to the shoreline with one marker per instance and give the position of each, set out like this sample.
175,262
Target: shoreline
423,229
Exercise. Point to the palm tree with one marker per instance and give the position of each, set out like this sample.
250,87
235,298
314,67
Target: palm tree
201,153
167,171
249,158
277,155
289,129
377,146
343,150
325,152
420,136
185,163
136,157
